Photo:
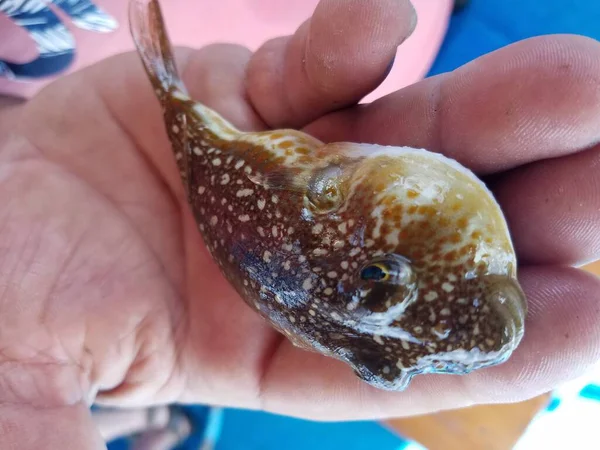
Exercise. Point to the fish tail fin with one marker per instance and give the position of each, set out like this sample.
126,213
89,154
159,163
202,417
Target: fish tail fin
154,46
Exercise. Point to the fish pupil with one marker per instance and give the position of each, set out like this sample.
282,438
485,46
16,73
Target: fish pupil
374,273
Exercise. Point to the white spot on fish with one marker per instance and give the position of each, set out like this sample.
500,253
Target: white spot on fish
447,287
307,284
431,296
392,238
216,162
244,218
244,193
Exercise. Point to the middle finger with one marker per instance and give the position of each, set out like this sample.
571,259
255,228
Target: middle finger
553,209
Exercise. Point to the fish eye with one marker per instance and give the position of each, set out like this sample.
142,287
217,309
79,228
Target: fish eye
387,284
390,269
375,272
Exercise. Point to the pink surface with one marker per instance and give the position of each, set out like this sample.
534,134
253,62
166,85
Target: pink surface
248,22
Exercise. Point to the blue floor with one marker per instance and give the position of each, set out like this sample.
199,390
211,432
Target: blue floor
484,26
268,432
248,430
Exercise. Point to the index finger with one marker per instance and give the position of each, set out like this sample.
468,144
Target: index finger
536,99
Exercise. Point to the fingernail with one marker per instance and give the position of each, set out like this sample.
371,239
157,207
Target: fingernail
389,67
414,19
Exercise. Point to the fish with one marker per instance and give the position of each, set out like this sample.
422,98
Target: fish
396,261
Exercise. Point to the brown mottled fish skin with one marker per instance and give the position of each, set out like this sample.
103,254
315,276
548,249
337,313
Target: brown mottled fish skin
397,261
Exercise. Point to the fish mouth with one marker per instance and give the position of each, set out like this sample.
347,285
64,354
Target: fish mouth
462,362
510,305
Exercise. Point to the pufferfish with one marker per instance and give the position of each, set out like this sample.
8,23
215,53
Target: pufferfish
397,261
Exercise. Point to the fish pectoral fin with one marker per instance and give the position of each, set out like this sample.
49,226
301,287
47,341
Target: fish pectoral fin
286,179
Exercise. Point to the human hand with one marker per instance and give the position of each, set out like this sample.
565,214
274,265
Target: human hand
107,288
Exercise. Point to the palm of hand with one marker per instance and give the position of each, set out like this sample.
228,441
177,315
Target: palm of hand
113,267
107,284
